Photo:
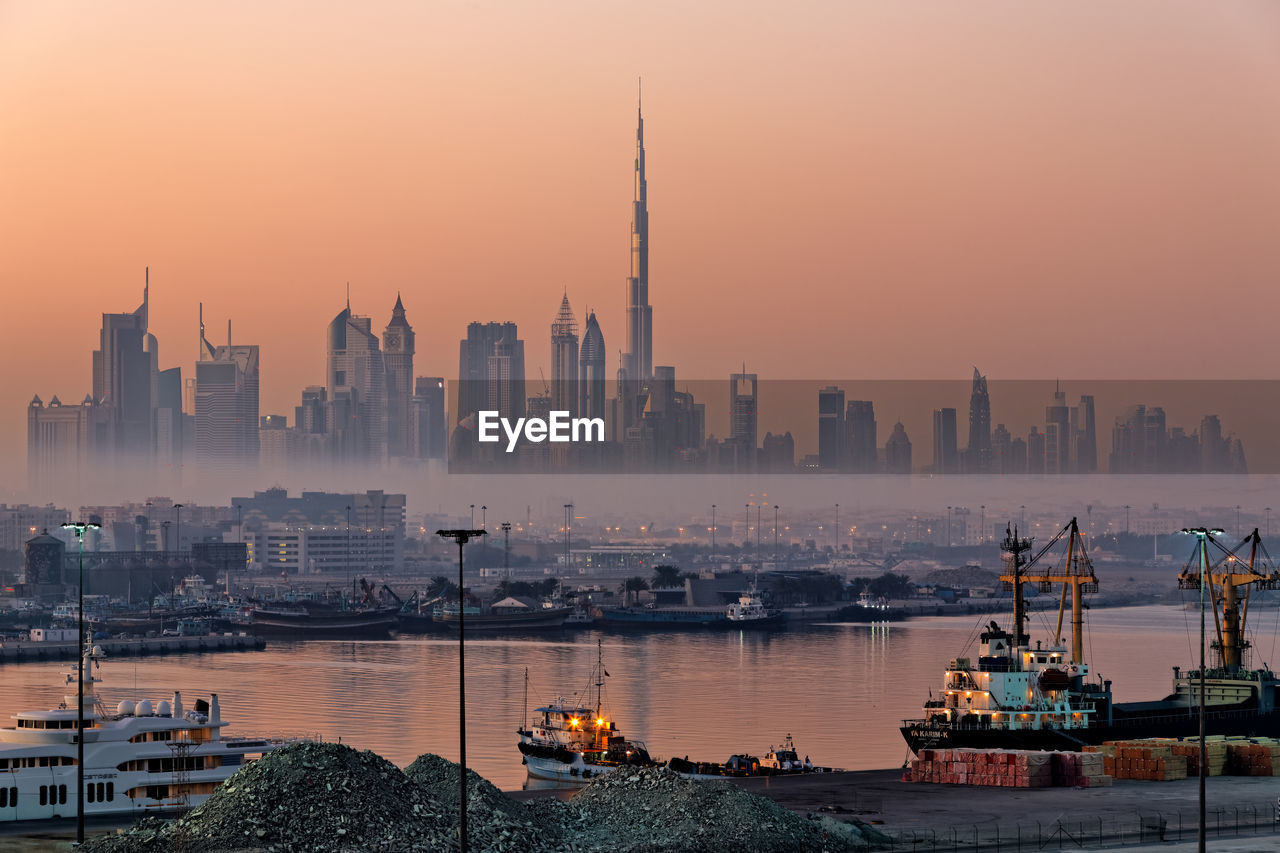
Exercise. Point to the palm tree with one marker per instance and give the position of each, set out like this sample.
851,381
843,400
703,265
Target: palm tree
634,584
665,577
441,587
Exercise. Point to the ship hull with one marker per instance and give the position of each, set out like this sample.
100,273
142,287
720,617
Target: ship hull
540,620
626,618
1236,721
317,626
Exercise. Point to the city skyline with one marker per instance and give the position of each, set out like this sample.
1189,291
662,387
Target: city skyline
834,176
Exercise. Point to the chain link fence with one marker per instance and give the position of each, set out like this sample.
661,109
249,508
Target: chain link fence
1140,827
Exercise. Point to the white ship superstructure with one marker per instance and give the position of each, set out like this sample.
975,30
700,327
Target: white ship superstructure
146,756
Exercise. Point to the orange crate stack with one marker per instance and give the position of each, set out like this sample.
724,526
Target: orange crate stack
1006,768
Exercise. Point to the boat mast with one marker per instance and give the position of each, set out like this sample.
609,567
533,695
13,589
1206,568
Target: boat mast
524,710
599,674
1014,547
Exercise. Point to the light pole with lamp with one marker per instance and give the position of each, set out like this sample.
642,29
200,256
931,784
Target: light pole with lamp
461,537
178,534
1203,537
80,528
713,534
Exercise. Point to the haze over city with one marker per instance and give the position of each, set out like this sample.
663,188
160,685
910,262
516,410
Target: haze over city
859,190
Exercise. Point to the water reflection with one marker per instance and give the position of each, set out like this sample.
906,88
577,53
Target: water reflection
841,690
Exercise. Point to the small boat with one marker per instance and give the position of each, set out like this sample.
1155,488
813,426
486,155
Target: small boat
778,761
573,741
144,757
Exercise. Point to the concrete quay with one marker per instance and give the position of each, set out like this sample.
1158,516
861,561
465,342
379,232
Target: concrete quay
18,651
926,817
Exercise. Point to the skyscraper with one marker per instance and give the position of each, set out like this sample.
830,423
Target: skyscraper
226,404
743,416
945,459
1058,434
483,342
428,434
1086,437
979,455
564,359
897,451
126,376
831,438
591,375
356,380
637,362
397,355
860,437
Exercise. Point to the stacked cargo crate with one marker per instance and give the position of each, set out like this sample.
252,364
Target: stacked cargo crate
1147,760
1007,768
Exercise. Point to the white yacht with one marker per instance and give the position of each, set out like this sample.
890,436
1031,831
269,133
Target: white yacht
145,757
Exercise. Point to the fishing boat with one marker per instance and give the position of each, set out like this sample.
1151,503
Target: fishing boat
572,740
143,757
1020,696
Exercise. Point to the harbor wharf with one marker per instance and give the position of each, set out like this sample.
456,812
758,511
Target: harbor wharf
928,816
19,651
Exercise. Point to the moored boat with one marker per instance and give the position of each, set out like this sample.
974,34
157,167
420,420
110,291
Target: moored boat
1019,696
143,757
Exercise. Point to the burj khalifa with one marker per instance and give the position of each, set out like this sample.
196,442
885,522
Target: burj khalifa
637,361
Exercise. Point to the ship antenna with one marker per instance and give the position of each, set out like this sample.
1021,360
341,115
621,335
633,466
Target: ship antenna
524,713
599,673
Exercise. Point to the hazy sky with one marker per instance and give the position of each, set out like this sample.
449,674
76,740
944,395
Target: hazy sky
880,189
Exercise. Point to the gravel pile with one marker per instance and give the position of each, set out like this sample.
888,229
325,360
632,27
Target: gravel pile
656,809
329,798
495,822
319,797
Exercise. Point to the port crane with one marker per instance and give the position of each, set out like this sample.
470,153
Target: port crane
1076,575
1231,578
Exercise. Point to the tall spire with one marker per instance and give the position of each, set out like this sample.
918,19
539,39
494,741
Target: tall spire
637,363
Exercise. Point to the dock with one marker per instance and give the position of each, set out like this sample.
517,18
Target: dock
19,651
962,819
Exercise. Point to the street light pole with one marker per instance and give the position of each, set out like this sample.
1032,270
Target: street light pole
837,530
1203,536
713,536
461,537
80,528
178,508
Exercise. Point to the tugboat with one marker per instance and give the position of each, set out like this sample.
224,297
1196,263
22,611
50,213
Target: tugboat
571,741
750,612
1016,696
144,757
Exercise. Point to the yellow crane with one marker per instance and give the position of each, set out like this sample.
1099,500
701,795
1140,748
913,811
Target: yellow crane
1076,574
1227,577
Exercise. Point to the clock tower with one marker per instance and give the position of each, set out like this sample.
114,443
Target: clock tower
397,355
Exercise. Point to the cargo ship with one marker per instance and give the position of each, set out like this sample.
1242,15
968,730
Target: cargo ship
1020,696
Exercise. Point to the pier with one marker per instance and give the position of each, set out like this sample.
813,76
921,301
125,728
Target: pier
18,651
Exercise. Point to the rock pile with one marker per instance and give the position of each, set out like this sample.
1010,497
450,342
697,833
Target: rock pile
329,798
656,809
304,796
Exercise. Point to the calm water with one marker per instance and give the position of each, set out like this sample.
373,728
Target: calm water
841,690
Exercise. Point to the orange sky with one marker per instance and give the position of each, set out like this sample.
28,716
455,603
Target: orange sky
878,189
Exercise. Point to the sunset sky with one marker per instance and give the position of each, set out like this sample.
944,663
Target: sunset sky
879,189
